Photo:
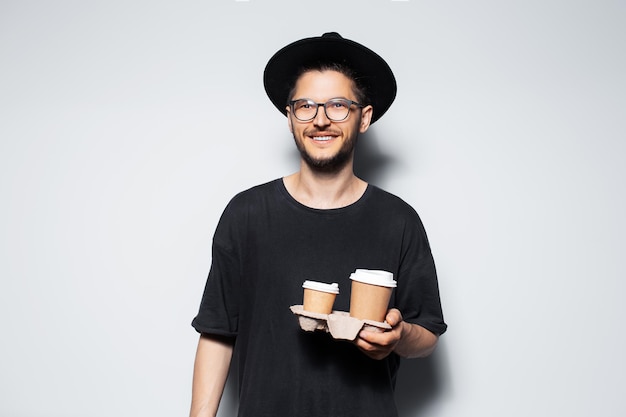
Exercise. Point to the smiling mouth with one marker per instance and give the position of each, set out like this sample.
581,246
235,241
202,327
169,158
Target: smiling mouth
322,138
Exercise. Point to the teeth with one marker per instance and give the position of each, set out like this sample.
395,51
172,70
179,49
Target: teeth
322,138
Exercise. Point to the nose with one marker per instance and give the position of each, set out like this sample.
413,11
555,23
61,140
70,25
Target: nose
320,117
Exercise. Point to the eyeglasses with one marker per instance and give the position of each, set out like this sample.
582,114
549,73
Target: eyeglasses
336,109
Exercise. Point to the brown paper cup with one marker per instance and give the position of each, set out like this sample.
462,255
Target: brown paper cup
371,291
369,302
318,301
319,297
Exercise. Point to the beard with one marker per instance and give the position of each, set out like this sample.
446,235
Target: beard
331,164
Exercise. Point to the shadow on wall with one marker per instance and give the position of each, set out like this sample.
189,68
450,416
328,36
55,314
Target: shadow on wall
370,164
421,383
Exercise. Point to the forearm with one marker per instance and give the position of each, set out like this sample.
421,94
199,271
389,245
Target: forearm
210,371
415,341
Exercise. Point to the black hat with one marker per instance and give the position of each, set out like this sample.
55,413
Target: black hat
372,71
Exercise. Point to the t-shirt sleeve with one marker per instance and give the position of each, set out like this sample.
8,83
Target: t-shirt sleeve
219,309
417,294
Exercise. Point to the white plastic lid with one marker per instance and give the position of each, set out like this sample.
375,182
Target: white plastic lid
320,286
374,277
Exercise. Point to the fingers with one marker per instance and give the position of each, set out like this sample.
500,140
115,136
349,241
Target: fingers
380,339
371,344
394,317
374,351
378,345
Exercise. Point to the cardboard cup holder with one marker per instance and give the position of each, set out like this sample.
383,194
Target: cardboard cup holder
338,323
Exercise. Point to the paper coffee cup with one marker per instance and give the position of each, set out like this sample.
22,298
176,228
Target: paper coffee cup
371,291
319,297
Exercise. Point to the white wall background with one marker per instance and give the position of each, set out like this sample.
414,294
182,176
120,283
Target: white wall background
126,126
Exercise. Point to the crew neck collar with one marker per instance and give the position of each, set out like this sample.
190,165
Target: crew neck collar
283,190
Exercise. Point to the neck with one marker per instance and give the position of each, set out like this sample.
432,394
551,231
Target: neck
323,190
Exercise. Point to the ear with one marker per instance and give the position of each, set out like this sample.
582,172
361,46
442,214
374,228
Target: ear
366,118
289,119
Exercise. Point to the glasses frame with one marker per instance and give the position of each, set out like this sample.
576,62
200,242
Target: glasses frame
318,105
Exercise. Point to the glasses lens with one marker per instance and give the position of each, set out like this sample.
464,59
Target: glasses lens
304,109
337,109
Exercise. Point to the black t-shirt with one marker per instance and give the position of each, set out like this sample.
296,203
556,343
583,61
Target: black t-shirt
265,246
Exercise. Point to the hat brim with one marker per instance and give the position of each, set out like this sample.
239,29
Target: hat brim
371,69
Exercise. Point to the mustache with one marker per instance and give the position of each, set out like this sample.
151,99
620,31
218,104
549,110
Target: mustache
314,132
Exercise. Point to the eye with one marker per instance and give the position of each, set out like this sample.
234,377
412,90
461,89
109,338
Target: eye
303,104
339,104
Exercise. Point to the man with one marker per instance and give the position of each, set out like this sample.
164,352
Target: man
320,223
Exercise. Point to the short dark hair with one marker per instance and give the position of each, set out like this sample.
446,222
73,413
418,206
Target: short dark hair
360,89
